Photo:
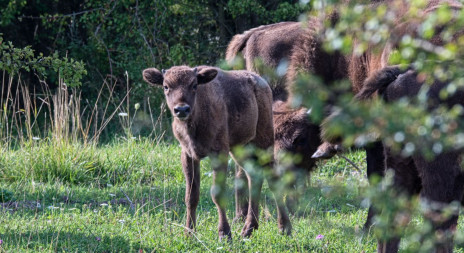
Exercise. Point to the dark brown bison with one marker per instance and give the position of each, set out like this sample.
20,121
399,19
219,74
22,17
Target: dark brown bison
440,180
309,57
361,67
265,49
214,111
301,45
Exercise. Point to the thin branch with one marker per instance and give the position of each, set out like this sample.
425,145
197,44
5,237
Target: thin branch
193,233
132,206
350,162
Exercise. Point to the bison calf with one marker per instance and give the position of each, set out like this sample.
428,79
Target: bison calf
214,111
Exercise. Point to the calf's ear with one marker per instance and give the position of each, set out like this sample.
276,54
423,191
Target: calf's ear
206,75
153,76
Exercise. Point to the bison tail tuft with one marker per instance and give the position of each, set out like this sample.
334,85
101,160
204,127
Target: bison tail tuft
239,41
236,45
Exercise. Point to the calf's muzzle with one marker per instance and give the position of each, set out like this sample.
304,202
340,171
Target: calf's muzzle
182,111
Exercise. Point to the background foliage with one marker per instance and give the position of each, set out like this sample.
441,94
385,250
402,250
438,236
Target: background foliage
117,39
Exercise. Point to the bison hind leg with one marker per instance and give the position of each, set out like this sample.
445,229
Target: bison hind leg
241,194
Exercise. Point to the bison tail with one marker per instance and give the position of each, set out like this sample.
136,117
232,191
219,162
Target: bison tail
236,45
379,81
239,41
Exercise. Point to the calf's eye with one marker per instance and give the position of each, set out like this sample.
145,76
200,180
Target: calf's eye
166,87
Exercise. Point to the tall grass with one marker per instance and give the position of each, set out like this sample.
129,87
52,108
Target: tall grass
76,163
63,116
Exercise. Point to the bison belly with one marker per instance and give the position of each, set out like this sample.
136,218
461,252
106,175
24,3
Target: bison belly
243,120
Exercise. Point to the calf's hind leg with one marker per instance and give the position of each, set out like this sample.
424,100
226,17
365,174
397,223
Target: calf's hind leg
241,193
218,194
255,183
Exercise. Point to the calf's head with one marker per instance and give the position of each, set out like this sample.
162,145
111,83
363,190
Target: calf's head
295,134
180,85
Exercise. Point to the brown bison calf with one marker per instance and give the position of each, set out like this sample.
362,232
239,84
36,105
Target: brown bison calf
440,180
214,111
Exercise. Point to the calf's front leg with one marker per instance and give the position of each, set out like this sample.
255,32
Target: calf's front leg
218,194
191,169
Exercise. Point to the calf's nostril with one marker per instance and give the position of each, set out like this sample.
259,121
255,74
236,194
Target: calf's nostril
182,111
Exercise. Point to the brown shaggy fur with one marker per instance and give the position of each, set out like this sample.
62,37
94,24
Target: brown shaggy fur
448,162
440,180
295,136
309,57
294,133
214,111
271,45
361,67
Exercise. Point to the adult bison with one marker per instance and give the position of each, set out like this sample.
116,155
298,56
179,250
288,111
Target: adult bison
265,49
300,46
215,111
440,180
362,66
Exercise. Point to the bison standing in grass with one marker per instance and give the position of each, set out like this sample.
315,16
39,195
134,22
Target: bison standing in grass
299,47
439,180
215,111
265,49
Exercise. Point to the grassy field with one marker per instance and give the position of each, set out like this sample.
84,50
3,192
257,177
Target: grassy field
128,197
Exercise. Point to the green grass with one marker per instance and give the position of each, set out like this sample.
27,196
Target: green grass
128,197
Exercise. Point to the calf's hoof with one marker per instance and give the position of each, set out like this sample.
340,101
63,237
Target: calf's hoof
225,236
238,218
188,232
285,227
248,229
